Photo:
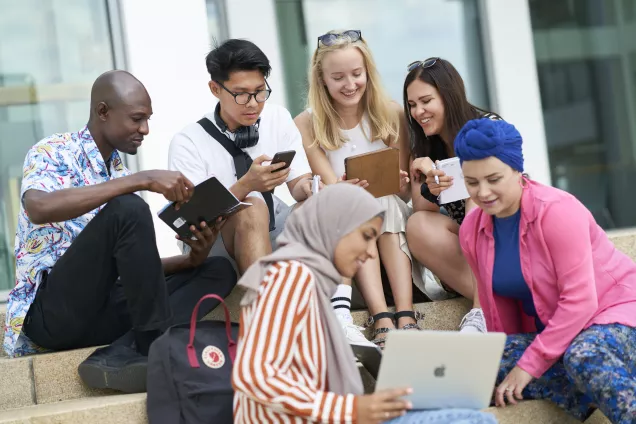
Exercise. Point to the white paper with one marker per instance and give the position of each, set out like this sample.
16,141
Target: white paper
457,191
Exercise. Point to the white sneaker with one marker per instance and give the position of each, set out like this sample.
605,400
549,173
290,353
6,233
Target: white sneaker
353,333
473,322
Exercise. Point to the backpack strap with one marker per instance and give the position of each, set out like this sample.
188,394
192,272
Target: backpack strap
231,343
242,162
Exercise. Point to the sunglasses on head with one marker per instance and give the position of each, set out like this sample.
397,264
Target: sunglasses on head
423,63
330,39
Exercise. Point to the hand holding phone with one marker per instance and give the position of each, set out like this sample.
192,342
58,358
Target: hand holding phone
286,157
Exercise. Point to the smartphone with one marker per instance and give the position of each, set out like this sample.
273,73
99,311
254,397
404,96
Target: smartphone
286,156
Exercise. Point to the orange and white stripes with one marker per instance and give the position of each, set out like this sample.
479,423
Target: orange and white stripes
280,370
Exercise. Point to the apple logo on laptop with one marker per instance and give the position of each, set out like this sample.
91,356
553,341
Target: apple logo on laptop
439,371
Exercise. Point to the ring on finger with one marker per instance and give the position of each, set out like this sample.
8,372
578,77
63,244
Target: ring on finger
509,389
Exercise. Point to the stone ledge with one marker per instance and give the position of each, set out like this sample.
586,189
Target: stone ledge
44,378
540,412
56,377
17,389
130,409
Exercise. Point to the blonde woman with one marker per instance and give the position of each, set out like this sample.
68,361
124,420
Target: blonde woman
349,114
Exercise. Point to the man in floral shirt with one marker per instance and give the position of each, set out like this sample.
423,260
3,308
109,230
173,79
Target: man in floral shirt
87,266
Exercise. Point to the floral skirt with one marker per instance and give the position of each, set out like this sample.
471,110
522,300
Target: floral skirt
597,370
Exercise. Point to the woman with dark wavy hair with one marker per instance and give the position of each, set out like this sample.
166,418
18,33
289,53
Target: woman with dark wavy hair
435,103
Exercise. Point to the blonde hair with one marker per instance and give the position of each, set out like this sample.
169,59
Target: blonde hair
383,121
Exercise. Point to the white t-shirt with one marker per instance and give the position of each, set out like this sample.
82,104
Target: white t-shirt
198,156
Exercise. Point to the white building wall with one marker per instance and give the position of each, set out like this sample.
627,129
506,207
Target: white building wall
166,46
512,77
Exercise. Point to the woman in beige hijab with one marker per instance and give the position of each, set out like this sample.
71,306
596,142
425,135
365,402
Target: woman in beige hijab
294,363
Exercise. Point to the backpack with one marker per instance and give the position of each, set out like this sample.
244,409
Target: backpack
190,372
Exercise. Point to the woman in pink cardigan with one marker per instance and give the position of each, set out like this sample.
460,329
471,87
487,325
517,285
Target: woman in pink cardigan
549,277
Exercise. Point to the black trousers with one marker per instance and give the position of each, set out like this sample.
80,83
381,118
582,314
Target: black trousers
111,281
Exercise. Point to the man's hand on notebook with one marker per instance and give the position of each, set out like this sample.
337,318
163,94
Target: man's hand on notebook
263,177
205,237
172,184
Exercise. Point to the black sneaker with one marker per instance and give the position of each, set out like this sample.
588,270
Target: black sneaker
115,367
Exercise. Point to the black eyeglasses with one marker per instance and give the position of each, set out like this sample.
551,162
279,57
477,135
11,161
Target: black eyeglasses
244,98
423,63
330,39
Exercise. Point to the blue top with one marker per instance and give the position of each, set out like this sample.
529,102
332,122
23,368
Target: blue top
507,278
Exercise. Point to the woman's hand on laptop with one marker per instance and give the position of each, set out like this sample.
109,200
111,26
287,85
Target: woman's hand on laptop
382,406
512,387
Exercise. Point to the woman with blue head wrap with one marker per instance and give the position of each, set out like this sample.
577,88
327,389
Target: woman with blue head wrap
493,149
549,277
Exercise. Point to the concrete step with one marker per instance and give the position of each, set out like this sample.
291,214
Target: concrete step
52,377
44,378
129,409
540,412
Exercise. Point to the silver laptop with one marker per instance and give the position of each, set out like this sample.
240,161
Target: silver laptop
445,369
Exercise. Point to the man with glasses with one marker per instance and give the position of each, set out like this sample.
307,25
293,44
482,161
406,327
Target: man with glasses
236,143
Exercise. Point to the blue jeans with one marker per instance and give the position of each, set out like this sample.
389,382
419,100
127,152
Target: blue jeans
446,416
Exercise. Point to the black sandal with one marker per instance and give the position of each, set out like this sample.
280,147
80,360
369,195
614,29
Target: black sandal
379,331
416,315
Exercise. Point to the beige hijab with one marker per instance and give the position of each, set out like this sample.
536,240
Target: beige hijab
311,235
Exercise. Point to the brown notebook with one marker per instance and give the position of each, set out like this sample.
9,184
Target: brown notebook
380,168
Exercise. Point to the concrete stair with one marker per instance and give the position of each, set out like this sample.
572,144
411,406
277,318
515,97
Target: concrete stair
45,388
116,409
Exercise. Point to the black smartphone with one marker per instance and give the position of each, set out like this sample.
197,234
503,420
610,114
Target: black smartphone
286,156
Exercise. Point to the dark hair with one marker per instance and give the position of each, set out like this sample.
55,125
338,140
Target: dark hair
236,55
457,111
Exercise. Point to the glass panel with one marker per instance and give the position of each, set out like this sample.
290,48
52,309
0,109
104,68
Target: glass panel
585,60
547,14
217,20
398,33
51,51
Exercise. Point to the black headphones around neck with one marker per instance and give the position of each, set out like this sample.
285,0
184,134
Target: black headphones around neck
244,136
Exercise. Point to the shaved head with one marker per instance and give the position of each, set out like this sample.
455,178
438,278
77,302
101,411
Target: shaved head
114,88
120,110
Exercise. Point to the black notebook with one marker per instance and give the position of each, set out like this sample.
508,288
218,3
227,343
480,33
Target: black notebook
210,201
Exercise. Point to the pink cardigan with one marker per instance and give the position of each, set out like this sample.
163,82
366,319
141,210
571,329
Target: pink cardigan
575,274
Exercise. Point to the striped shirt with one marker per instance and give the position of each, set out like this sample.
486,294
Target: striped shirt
280,372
